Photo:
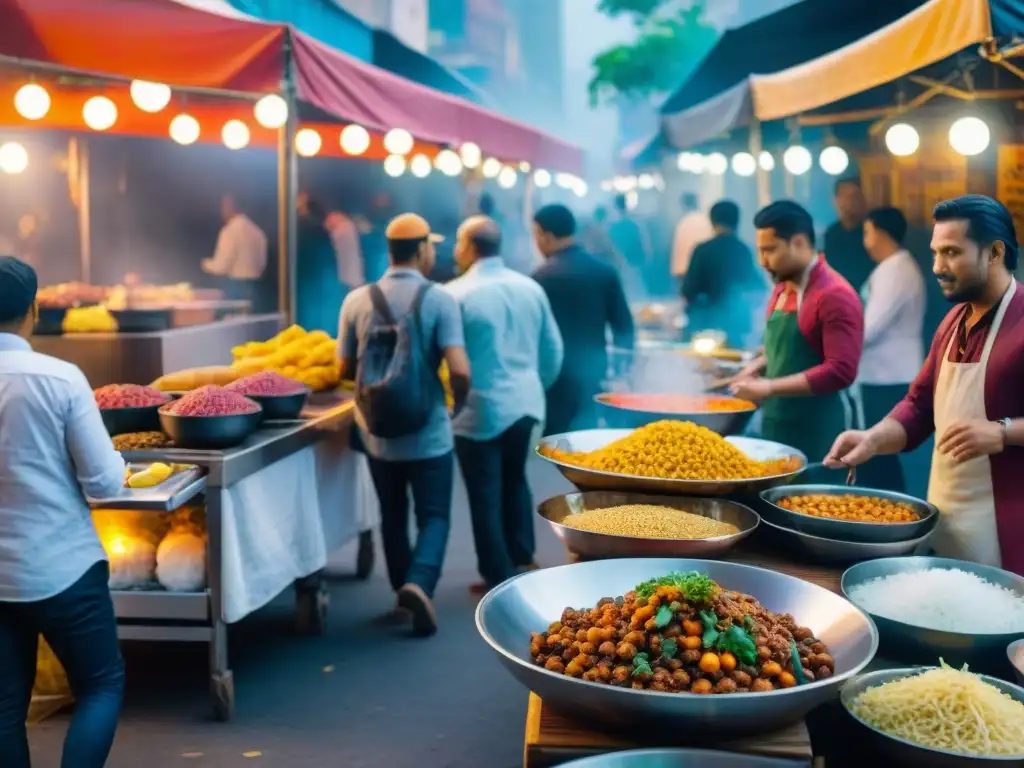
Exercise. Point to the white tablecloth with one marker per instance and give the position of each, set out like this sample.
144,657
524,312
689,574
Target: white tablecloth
281,523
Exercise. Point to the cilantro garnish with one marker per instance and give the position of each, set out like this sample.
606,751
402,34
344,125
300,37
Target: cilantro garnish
641,664
695,586
798,668
737,640
669,646
663,617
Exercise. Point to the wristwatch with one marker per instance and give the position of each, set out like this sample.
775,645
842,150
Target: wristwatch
1006,428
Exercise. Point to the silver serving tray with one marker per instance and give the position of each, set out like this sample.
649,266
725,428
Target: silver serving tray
837,552
722,422
848,530
903,752
527,603
592,545
176,491
594,480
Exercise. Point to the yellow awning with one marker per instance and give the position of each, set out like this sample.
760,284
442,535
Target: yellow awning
933,32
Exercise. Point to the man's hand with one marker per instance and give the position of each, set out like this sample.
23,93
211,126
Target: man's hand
754,390
851,448
969,439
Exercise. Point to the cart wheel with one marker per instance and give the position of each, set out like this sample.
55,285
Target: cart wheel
365,558
311,611
222,693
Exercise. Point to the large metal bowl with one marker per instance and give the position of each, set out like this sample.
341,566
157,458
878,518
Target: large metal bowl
125,421
530,602
677,758
836,552
903,752
592,545
595,480
1015,653
210,433
847,530
619,417
918,645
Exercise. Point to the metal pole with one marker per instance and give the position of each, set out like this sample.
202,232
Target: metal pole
764,195
287,183
84,210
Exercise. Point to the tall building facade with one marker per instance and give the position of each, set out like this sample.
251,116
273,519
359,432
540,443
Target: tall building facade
405,19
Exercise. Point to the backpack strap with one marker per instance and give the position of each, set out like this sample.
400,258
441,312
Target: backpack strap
417,305
380,304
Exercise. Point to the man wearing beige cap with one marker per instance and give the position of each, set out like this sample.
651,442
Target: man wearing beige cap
392,337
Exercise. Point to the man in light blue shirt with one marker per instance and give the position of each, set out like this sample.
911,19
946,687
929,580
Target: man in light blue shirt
54,451
422,461
515,352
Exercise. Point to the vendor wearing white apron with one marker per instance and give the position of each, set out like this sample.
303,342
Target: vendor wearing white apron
970,391
812,341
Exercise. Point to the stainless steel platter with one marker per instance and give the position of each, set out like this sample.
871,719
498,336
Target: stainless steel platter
836,552
595,480
903,752
722,422
174,492
847,530
918,645
677,758
597,545
530,602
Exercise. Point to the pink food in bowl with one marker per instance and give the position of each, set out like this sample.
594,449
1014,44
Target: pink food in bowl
129,396
266,384
211,400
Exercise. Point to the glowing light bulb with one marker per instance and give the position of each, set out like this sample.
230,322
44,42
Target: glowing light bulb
271,111
394,165
398,141
470,154
716,163
308,142
491,167
542,178
420,166
797,160
354,140
744,164
833,160
902,139
13,158
150,97
766,161
507,177
448,162
32,101
99,113
969,136
184,129
235,134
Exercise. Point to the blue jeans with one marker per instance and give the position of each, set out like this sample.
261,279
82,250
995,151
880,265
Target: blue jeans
431,483
500,503
80,626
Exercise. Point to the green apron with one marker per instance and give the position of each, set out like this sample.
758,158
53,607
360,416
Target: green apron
809,424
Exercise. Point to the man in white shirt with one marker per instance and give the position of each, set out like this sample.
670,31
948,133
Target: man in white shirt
54,451
515,352
241,253
693,229
347,250
894,298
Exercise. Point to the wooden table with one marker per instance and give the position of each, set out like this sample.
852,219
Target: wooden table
553,739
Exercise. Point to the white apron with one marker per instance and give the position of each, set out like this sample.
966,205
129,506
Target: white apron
963,492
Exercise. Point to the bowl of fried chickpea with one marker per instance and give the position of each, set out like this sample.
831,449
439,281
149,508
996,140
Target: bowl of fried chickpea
849,514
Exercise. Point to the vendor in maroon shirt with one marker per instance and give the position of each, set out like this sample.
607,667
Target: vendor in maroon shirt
812,342
970,391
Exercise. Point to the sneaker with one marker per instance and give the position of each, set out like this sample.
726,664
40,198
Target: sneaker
415,600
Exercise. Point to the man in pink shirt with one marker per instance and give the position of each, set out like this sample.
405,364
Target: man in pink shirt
813,340
970,392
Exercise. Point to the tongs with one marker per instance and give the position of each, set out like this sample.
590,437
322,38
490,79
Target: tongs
851,474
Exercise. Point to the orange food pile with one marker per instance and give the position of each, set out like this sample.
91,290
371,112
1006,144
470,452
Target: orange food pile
678,403
852,508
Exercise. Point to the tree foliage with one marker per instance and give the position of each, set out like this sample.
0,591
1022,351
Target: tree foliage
670,42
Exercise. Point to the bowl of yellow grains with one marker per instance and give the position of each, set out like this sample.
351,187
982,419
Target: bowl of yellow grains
677,458
602,524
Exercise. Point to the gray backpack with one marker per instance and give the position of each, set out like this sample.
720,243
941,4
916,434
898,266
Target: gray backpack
395,386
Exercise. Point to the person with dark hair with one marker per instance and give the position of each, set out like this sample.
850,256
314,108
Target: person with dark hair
631,239
404,306
812,343
515,353
969,391
718,287
240,258
587,299
54,454
694,228
844,240
894,305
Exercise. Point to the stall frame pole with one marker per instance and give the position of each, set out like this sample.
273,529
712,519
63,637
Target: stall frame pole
287,187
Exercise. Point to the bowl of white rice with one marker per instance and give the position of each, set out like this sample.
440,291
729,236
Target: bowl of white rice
931,607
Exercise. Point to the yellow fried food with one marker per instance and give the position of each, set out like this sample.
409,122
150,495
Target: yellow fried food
89,320
851,507
153,475
675,450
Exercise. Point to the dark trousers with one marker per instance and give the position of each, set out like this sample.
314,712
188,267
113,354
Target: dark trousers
570,406
80,626
431,483
500,504
882,472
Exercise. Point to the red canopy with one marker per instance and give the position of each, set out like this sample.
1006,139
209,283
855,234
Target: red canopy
178,44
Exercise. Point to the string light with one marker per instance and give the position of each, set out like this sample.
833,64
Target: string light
308,142
508,177
716,163
99,113
149,97
902,139
969,136
184,129
766,161
271,111
833,160
354,140
394,165
470,154
32,101
235,134
542,178
645,181
420,166
13,158
744,164
797,160
448,162
398,141
581,188
491,167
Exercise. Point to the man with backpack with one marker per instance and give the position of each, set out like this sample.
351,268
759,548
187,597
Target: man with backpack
393,336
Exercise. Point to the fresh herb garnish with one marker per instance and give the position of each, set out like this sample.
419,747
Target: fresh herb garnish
798,667
663,617
696,587
737,640
641,664
669,646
